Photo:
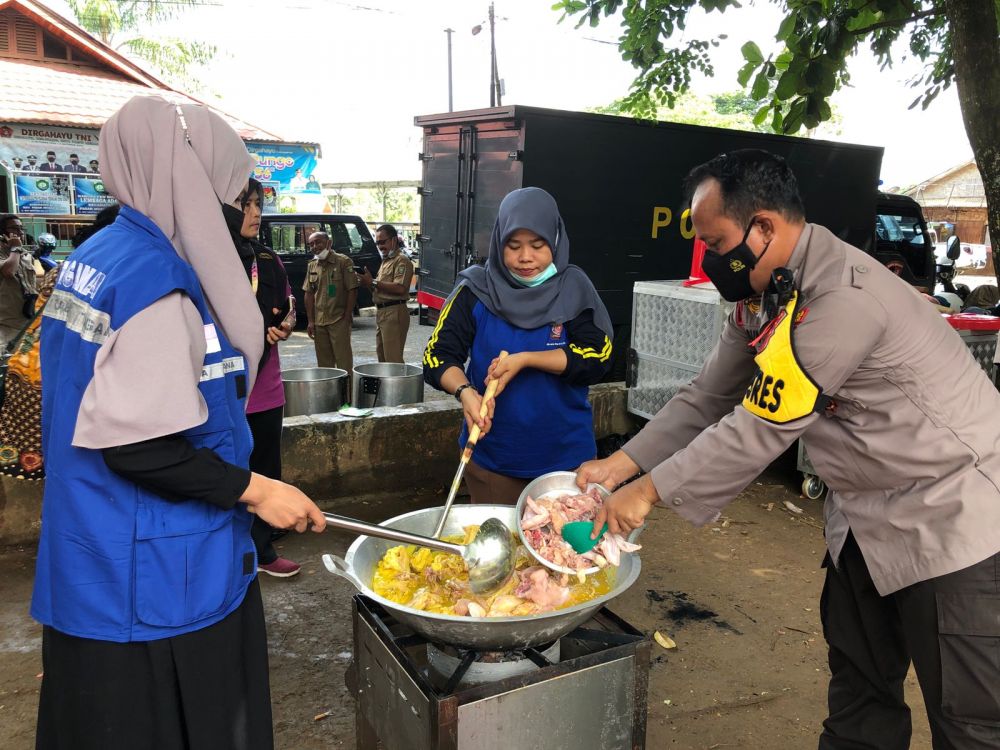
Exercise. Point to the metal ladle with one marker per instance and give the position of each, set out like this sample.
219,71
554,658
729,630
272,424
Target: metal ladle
489,556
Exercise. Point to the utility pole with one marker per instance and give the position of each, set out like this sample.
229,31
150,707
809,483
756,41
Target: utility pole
494,77
451,107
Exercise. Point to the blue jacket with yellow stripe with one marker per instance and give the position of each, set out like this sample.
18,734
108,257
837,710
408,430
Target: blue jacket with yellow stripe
542,422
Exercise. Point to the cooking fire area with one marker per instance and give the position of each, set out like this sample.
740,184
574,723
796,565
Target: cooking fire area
739,597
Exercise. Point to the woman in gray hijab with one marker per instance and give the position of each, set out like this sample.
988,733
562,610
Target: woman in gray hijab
153,628
530,301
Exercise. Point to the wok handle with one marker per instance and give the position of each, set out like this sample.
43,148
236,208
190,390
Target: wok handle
394,535
338,566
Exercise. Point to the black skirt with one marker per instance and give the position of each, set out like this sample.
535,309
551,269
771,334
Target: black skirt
206,690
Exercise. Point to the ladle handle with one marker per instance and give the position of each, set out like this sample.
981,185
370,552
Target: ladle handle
394,535
470,443
491,391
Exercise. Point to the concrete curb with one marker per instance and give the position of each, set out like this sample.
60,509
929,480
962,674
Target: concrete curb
340,459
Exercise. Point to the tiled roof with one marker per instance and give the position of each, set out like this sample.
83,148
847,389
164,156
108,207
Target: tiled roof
80,97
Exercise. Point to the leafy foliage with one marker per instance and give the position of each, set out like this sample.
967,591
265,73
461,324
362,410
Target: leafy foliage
792,83
120,24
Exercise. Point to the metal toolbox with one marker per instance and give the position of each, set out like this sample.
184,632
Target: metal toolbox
979,332
674,329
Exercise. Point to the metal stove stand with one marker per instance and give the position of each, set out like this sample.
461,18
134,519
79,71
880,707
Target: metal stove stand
592,697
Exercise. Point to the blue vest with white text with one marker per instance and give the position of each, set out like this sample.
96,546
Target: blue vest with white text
541,423
117,562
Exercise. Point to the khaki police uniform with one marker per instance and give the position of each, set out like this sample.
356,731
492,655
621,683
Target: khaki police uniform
392,317
902,424
12,291
331,280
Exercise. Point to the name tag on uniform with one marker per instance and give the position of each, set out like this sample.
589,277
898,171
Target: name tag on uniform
212,345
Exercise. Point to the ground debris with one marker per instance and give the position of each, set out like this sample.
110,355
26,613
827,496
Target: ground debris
792,507
664,640
324,715
741,701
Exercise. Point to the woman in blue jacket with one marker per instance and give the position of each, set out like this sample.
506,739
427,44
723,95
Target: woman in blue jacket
529,301
153,627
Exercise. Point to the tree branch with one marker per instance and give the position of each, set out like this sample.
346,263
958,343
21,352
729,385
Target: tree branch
899,22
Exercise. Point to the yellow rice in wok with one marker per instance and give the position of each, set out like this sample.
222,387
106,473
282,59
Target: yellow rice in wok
434,581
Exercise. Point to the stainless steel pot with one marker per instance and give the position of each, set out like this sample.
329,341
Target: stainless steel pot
481,633
387,384
558,483
313,390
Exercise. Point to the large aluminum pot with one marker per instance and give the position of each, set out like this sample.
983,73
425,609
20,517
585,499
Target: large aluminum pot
387,384
313,390
481,633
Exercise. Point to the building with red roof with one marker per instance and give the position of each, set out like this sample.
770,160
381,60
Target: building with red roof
58,85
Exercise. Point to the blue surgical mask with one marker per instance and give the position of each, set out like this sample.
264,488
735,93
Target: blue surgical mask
541,278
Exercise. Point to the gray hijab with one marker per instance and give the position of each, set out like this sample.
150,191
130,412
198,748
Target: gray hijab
559,299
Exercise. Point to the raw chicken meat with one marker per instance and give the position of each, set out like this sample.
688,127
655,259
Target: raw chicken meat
542,523
538,586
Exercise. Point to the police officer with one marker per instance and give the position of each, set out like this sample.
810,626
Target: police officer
826,345
391,291
331,292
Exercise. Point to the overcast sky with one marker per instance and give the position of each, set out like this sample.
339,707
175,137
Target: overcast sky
351,75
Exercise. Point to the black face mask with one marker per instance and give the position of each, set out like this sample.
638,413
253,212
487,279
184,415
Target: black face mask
730,272
234,220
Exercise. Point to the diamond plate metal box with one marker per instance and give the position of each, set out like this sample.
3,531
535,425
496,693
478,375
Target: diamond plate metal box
982,346
674,329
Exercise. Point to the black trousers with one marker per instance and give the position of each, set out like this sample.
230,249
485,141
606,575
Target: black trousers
265,426
948,626
206,690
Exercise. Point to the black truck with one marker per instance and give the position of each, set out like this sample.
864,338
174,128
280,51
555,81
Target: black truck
618,184
287,235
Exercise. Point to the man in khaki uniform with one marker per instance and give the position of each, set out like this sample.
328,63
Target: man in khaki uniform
391,291
899,421
331,291
17,278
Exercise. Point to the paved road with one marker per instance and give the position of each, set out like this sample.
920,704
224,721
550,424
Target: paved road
298,351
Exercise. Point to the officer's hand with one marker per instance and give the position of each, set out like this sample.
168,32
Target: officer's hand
13,240
472,404
627,508
366,277
282,505
311,330
608,472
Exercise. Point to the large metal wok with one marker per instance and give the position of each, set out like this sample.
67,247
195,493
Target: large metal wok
480,633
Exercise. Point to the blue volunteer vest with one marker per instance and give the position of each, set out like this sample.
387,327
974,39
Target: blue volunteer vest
541,423
115,561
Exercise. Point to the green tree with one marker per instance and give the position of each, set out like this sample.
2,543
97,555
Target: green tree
120,23
732,110
957,40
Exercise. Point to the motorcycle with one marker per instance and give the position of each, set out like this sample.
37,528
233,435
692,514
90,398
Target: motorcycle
44,246
950,294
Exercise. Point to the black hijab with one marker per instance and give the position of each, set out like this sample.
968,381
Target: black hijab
559,299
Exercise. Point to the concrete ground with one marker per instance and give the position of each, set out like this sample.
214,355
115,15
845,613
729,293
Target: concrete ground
740,597
298,350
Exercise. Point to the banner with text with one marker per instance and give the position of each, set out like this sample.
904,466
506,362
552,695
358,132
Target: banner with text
90,195
42,194
284,169
27,147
